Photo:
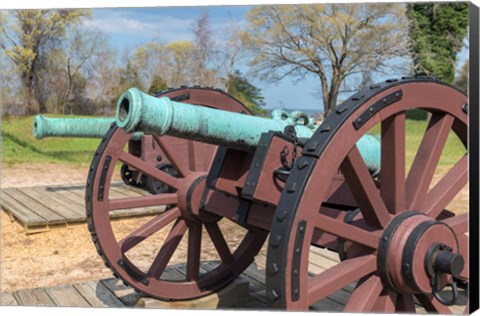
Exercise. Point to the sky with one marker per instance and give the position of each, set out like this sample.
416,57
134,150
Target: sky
132,27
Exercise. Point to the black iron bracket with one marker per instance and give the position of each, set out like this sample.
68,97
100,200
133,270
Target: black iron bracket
297,257
256,166
217,166
377,106
103,177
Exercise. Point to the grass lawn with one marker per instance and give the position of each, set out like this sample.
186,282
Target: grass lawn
20,146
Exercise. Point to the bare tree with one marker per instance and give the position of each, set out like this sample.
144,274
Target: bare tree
81,47
205,47
330,41
231,50
103,86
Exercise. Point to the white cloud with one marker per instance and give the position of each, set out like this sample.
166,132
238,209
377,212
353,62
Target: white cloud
125,22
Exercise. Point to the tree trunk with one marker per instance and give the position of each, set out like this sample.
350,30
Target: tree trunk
333,94
31,106
325,93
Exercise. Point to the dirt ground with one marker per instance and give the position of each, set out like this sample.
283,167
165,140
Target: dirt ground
60,256
66,256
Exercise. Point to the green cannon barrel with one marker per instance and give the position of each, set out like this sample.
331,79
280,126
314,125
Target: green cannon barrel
138,111
73,127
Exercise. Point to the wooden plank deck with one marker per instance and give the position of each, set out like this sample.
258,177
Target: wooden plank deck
113,293
42,208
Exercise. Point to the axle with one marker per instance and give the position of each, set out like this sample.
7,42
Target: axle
138,111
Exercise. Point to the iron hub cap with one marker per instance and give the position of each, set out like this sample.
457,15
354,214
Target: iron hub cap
413,250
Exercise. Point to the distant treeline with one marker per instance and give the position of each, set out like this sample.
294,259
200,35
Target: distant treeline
52,63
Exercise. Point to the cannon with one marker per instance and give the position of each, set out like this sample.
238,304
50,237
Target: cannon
398,239
70,127
140,145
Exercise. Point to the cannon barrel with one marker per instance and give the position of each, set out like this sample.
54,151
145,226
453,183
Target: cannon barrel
138,111
72,127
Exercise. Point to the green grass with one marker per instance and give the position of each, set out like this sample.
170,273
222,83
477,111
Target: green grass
415,128
20,146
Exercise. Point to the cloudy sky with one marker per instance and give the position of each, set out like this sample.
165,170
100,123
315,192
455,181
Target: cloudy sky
132,27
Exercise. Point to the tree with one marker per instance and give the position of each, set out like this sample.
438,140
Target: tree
231,50
30,37
103,85
151,60
437,31
330,41
157,85
461,82
205,51
130,78
245,92
182,63
80,49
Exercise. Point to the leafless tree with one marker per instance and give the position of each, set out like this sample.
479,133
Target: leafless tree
333,42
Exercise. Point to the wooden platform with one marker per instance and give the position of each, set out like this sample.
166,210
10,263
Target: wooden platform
113,293
41,208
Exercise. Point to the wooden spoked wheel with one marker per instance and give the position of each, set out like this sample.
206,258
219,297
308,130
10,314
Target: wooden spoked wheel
161,236
402,221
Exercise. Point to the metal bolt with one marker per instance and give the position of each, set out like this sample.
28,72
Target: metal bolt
274,268
282,215
273,295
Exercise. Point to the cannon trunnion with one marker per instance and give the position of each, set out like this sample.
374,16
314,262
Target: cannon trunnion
335,186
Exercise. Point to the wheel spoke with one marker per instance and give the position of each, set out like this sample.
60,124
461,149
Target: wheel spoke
148,229
365,295
392,186
339,276
447,188
405,303
386,302
346,231
194,248
426,160
458,223
143,201
173,155
144,167
168,248
431,304
219,242
364,190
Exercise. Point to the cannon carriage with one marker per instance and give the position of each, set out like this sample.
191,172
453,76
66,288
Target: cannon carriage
295,187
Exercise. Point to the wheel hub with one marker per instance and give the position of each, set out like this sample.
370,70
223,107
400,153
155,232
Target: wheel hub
190,196
418,254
